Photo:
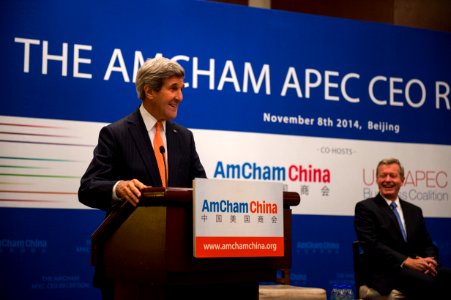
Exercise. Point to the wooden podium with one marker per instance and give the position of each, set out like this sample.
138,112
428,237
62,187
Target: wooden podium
148,252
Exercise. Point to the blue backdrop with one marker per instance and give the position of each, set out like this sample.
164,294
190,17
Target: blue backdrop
75,60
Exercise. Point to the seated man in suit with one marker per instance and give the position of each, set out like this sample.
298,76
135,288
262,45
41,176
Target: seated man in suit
400,252
126,159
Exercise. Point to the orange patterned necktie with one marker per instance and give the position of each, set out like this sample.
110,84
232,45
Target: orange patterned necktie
157,144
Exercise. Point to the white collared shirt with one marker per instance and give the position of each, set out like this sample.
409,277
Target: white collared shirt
150,122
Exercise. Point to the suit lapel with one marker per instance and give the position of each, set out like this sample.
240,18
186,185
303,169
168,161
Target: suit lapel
172,146
405,213
140,137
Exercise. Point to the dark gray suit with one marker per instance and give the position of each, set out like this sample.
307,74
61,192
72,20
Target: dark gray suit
376,226
124,151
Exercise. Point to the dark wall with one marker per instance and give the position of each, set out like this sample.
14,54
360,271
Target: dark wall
425,14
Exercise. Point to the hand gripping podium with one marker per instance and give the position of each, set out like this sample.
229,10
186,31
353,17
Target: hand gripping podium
148,252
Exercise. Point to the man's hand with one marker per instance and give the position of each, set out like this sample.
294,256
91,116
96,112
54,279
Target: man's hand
427,265
130,190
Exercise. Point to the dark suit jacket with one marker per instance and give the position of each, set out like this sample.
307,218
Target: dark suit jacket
124,151
385,249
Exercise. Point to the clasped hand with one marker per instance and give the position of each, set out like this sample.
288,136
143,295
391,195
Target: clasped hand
427,265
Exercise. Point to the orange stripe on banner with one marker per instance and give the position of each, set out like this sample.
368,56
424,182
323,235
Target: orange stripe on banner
239,246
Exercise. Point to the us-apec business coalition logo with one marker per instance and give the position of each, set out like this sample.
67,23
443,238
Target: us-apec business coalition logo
419,184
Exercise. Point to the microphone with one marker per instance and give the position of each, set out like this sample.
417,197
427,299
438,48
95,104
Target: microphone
163,151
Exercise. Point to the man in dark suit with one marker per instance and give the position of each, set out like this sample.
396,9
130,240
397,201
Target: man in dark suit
408,264
124,161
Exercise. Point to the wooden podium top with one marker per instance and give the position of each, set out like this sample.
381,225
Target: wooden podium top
185,196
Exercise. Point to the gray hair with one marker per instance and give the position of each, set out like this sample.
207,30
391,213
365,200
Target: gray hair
390,161
154,72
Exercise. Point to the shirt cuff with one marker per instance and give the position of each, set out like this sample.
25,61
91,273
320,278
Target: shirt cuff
402,264
115,197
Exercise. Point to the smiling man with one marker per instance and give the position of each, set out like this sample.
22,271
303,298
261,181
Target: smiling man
143,149
399,251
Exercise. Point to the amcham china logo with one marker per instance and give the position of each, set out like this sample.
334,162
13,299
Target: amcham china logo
253,171
227,206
